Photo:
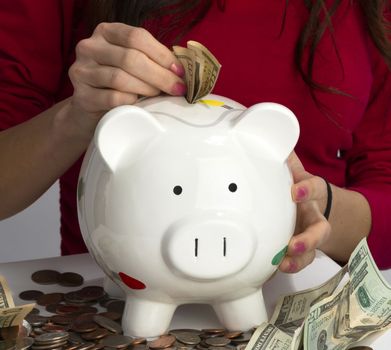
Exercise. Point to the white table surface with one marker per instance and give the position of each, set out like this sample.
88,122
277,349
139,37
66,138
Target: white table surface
18,275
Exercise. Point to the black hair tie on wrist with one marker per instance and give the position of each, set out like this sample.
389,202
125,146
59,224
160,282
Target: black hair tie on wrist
326,213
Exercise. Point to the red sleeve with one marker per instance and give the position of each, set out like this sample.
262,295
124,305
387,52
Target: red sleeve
369,161
33,53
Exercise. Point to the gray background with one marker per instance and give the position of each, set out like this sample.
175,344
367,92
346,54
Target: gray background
34,232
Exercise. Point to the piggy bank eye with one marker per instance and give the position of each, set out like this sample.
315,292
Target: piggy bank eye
177,190
232,187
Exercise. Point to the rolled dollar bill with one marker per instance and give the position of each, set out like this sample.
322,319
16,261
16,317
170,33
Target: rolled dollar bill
11,315
201,69
5,294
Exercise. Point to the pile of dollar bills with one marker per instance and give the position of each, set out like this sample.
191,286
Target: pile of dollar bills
327,317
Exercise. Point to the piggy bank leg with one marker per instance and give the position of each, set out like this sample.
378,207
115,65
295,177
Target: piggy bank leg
146,318
243,313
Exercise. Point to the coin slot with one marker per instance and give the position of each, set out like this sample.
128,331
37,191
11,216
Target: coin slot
224,246
196,247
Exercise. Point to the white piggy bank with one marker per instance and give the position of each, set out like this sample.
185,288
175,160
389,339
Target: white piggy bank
189,203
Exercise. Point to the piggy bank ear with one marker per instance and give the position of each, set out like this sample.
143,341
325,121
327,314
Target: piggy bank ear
271,126
125,130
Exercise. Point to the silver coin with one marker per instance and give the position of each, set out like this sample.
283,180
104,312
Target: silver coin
86,346
116,341
107,323
49,346
50,337
24,343
185,330
217,341
187,338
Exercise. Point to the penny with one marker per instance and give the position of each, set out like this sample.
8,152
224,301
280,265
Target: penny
105,322
52,308
45,276
245,337
137,341
217,341
116,306
233,334
50,298
84,327
30,294
188,338
214,330
70,279
49,327
88,310
67,309
74,298
116,341
61,319
90,293
96,334
85,317
164,341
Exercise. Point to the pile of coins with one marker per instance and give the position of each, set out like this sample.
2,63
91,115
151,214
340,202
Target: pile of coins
77,322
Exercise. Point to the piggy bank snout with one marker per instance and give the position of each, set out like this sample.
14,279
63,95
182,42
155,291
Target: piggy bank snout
208,249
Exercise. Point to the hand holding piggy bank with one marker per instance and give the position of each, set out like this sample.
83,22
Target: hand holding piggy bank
189,203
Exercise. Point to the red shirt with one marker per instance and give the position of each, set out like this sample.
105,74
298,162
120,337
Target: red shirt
347,140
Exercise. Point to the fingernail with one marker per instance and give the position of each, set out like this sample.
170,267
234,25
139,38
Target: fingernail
292,266
299,247
179,89
178,70
301,194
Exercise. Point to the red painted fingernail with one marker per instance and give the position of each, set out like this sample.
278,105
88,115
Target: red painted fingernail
292,266
178,70
301,194
299,247
179,89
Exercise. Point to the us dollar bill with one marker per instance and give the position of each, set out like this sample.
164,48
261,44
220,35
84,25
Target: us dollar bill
328,317
269,337
11,315
291,310
201,69
14,316
370,294
5,294
361,308
321,324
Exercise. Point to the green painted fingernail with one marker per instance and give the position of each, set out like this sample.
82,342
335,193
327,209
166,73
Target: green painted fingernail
279,256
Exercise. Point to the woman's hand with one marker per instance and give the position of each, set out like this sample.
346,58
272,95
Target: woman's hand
119,63
312,228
